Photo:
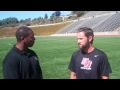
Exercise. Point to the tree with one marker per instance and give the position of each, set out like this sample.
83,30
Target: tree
73,12
51,18
10,20
78,13
46,16
0,22
39,18
57,13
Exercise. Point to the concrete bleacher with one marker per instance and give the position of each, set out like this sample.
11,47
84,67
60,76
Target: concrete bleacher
95,13
99,21
92,22
66,29
109,24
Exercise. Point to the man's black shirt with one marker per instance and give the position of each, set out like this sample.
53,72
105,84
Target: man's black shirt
19,65
91,65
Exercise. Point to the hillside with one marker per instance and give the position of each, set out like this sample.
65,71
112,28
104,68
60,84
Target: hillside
38,30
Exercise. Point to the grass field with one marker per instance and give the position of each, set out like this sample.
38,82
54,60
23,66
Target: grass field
55,52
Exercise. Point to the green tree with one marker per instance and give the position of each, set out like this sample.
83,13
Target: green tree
10,20
78,13
46,16
57,13
0,22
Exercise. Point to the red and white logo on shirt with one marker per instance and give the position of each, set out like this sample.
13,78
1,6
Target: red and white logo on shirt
87,64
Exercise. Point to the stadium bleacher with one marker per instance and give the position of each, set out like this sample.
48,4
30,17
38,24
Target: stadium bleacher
99,21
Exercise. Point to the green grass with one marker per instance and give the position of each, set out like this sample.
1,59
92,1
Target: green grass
55,52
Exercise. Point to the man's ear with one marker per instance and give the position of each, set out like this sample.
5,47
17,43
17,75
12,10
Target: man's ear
22,38
90,38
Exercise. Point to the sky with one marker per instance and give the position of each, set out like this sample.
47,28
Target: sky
28,14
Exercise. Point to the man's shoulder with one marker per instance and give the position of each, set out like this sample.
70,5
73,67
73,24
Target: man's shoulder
99,51
76,52
10,52
11,56
32,52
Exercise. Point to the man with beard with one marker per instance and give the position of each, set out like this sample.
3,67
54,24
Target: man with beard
88,62
21,62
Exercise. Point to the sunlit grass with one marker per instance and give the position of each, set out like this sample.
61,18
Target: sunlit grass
55,52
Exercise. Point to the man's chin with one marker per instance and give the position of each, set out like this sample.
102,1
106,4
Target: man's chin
80,47
30,45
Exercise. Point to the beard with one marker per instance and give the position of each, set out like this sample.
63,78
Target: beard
83,46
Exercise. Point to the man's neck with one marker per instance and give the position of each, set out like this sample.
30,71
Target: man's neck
21,47
89,49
